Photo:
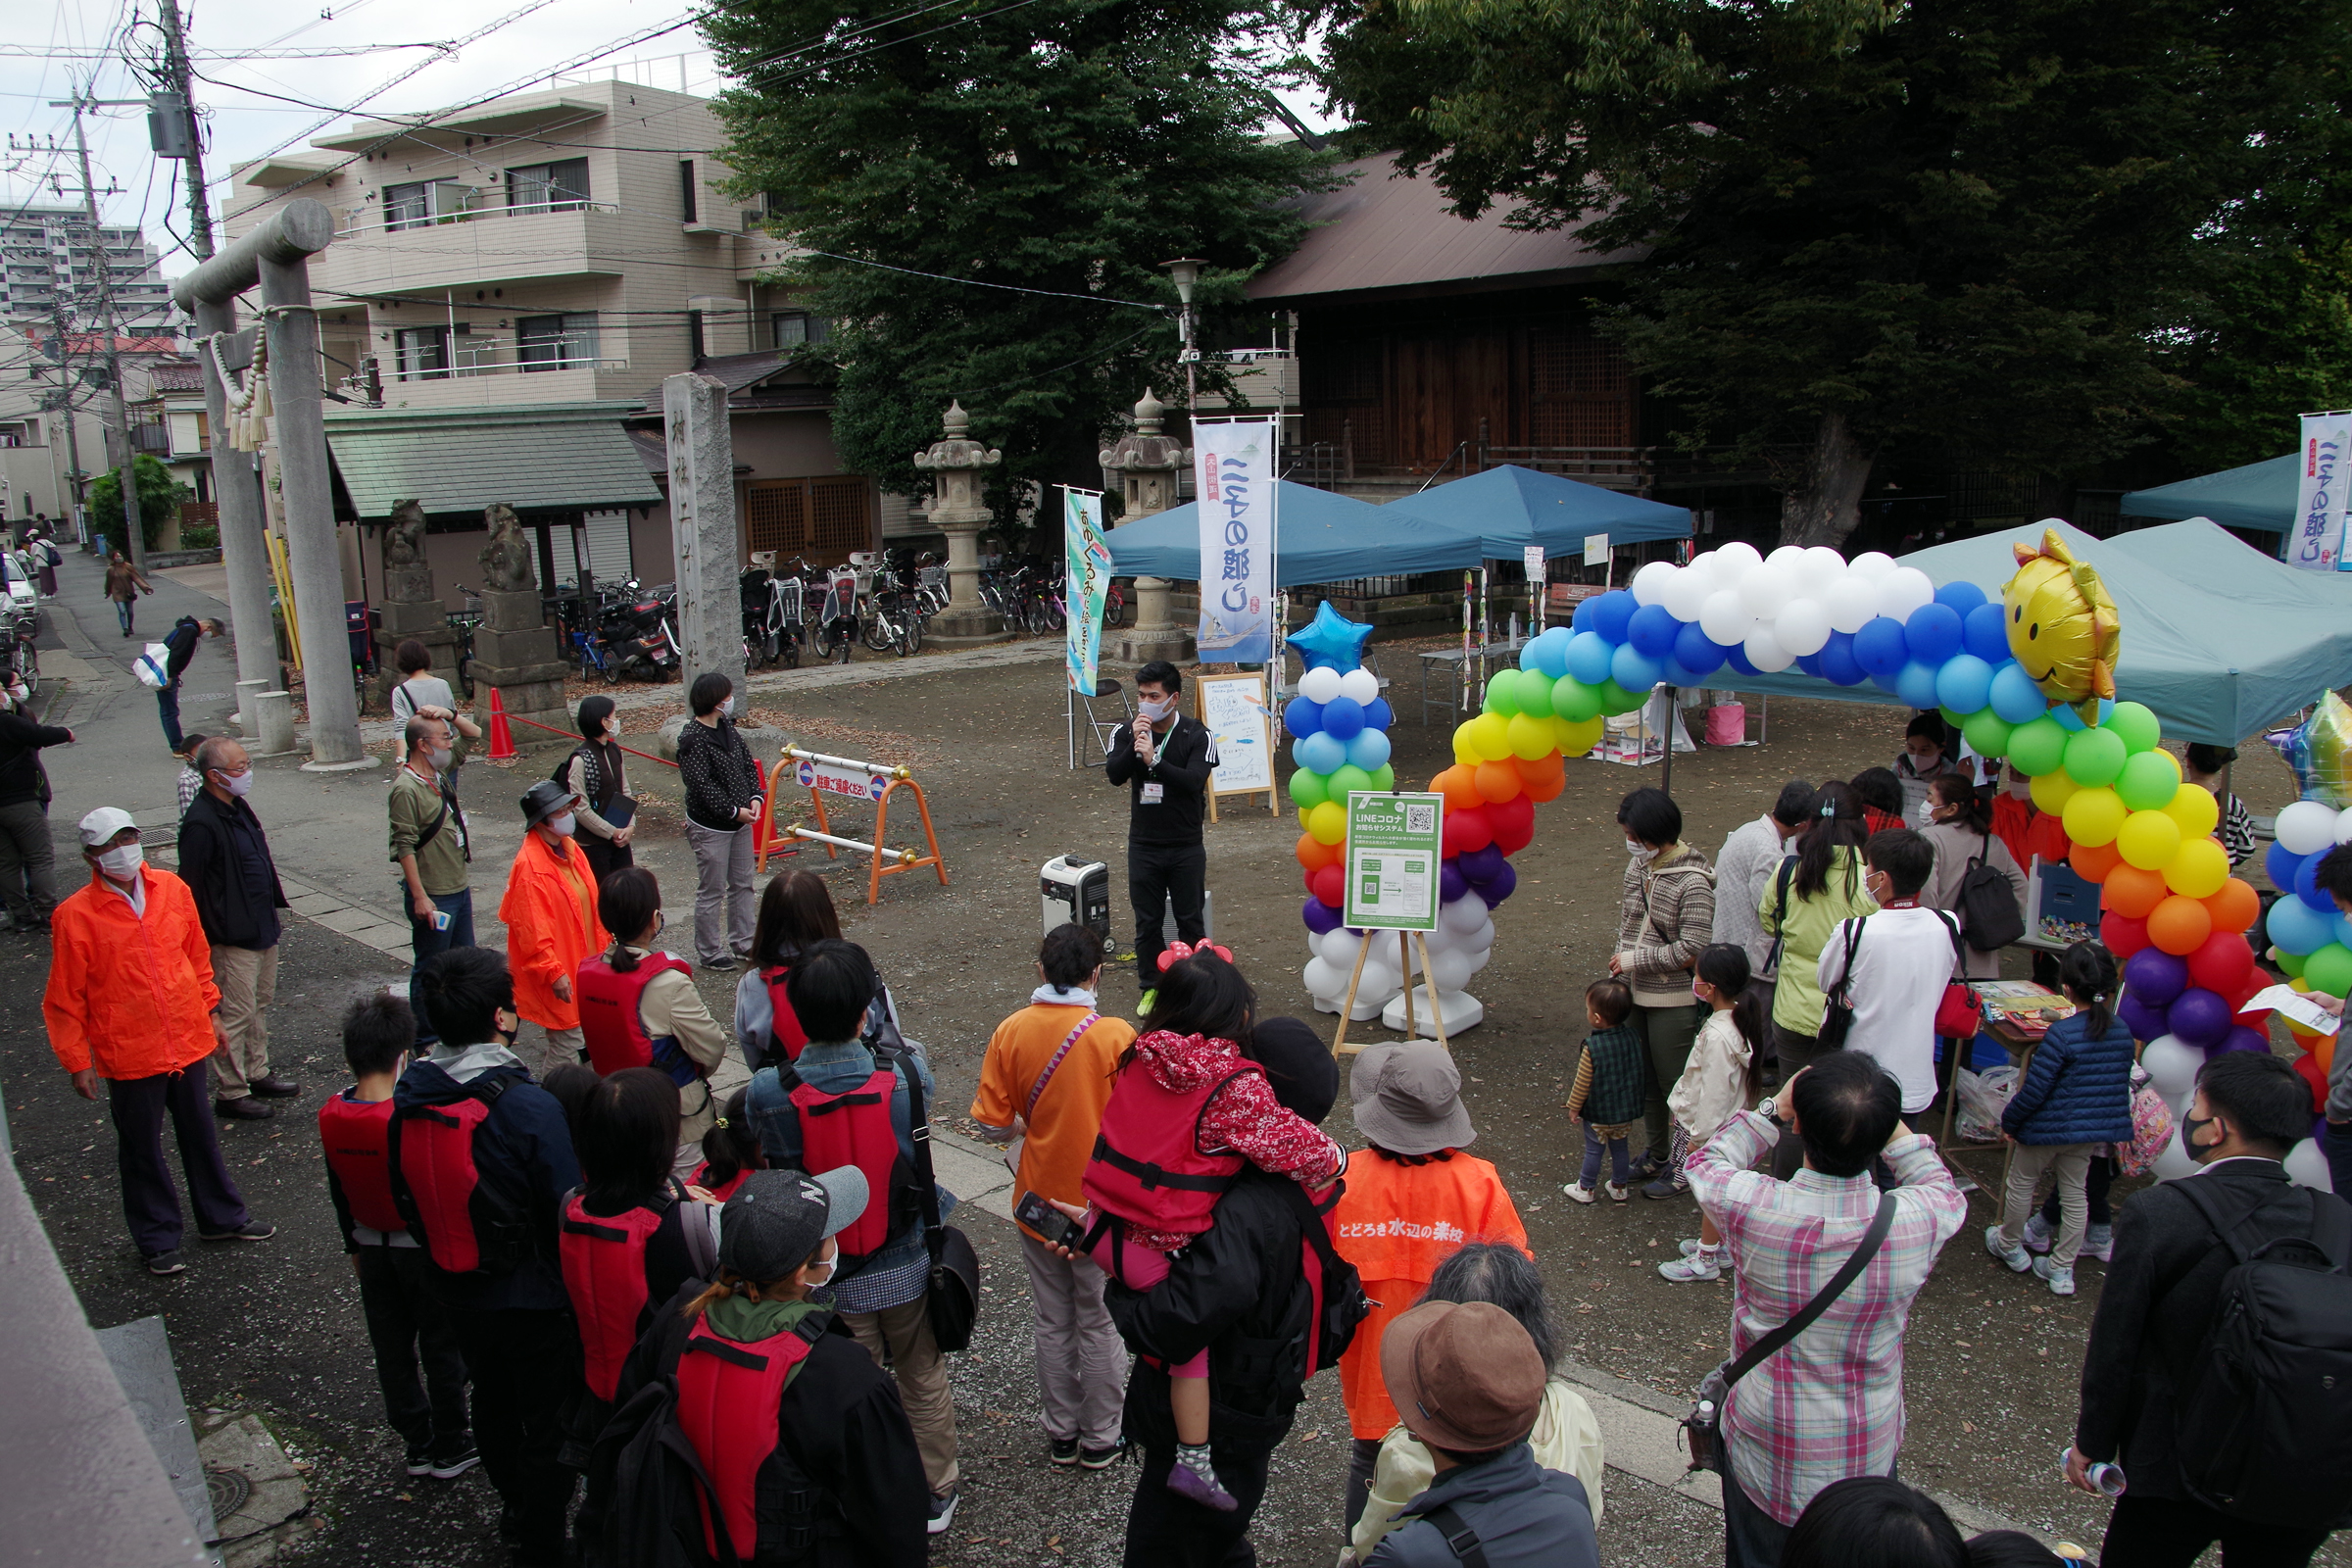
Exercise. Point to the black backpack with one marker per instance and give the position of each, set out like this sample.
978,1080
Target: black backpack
1988,912
643,1509
2263,1421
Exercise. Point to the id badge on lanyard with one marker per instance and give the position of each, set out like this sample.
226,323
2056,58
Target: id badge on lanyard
1154,793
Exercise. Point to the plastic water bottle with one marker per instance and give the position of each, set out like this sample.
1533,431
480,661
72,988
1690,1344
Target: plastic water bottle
2106,1479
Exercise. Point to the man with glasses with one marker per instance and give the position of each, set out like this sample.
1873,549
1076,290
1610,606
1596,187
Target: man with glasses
224,860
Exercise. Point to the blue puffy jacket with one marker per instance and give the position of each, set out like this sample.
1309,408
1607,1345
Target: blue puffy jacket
2078,1090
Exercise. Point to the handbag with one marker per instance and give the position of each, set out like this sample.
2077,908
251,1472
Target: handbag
1961,1011
951,1300
1012,1152
1702,1427
1838,1007
153,667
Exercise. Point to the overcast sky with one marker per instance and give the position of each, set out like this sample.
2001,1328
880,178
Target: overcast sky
336,54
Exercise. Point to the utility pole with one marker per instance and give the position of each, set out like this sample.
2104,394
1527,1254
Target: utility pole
134,542
176,116
65,404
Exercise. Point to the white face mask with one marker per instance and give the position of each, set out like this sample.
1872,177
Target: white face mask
236,783
19,695
562,825
120,863
1156,708
613,728
831,1266
727,709
1639,850
439,759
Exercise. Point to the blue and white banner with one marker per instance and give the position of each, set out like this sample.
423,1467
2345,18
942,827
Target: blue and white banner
1237,540
2322,487
1086,582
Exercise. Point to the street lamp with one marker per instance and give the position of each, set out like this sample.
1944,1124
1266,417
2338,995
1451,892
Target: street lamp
1185,271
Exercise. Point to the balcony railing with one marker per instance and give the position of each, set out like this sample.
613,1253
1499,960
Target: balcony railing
415,215
503,360
154,438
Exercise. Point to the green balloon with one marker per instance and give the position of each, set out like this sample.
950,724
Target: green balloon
1956,720
1502,692
1309,789
1987,732
1534,694
2149,780
2038,747
2330,969
2137,724
1615,699
1384,778
1349,777
2095,756
1574,700
2291,965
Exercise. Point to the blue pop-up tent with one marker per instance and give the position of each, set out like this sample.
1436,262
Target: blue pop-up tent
2259,496
1320,537
1512,507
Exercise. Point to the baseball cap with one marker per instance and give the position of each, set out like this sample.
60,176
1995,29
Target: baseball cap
1464,1375
774,1220
101,825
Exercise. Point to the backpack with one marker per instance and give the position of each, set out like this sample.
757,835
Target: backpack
1987,905
643,1506
2263,1421
1340,1305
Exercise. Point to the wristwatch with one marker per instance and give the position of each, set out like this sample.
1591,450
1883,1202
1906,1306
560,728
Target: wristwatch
1770,1109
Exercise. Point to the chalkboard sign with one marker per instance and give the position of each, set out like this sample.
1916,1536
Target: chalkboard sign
1234,707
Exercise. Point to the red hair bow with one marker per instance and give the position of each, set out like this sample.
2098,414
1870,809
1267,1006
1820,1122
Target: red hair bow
1177,950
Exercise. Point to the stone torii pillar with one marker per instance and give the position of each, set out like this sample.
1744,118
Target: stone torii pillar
1147,461
958,460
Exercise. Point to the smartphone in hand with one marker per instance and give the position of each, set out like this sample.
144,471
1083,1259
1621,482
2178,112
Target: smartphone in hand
1057,1228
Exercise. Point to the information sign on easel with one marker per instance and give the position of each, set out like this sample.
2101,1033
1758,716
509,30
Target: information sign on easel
1234,709
1394,848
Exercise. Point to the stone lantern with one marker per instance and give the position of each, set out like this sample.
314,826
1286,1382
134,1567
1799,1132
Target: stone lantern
958,462
1147,461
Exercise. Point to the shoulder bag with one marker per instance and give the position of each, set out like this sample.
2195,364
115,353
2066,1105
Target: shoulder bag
1037,1091
1779,919
1960,1012
952,1298
1702,1427
1838,1007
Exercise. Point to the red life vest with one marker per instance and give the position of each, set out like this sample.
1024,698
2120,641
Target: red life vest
728,1396
854,1128
615,1027
464,1227
701,1179
1148,1168
604,1272
357,1134
789,1038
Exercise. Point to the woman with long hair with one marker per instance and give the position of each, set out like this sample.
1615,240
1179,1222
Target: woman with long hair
795,912
595,773
1960,831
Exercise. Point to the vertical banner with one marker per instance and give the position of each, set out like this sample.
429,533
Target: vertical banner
2322,489
1086,582
1237,541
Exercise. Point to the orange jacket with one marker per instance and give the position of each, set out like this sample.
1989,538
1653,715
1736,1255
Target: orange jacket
131,995
1397,1223
550,912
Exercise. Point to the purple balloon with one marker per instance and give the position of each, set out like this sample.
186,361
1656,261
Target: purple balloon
1481,865
2144,1021
2155,978
2240,1038
1500,886
1319,917
1451,884
2198,1017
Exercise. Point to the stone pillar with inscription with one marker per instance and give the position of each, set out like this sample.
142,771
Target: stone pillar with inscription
1147,461
703,528
959,461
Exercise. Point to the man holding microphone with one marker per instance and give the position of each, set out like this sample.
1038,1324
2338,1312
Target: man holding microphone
1166,759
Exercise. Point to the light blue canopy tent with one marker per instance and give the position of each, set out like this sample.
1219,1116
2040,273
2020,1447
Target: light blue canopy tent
2216,637
2260,496
1512,507
1320,537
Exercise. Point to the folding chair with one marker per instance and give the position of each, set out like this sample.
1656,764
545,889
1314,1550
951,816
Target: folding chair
1082,710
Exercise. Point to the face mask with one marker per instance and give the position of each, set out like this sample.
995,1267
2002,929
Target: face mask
1639,850
612,727
19,695
563,825
727,709
830,1265
440,757
120,863
2190,1126
238,784
1157,709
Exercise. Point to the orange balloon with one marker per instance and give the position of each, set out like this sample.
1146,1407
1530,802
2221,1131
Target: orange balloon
1498,782
1548,789
1314,854
2093,862
2235,907
2178,925
2131,891
1543,779
2323,1051
1459,786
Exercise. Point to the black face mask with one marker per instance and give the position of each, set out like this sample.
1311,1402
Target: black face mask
2190,1126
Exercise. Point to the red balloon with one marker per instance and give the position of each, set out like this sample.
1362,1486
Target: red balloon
2221,964
1330,885
1464,832
2307,1067
2123,935
1513,822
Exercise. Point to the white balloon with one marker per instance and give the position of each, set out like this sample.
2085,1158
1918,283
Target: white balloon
1725,618
1464,914
1786,557
1650,583
1324,979
1735,560
1687,592
1452,971
1359,684
2306,827
2176,1161
1850,603
1871,565
1338,946
1824,565
1764,651
1481,957
2171,1065
1904,590
2306,1166
1765,591
1319,685
1378,983
1802,628
1442,939
2343,827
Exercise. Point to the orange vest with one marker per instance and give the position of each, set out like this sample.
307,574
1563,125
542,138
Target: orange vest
129,994
550,914
1397,1223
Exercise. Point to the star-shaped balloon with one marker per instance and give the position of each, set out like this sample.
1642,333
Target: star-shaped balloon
1331,641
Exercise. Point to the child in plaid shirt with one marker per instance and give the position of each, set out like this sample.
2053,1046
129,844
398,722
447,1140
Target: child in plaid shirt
1612,1079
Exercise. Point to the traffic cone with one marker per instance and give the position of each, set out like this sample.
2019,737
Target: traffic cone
502,733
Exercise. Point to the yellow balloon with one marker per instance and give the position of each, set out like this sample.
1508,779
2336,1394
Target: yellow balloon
1491,737
2148,840
1463,752
2051,792
1328,823
2194,806
1575,739
1303,813
2199,869
1530,737
2092,816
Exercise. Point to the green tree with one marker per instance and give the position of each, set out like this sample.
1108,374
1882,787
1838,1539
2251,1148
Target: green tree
160,496
1978,228
1065,147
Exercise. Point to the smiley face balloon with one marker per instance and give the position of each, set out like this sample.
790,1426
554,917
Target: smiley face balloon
2062,625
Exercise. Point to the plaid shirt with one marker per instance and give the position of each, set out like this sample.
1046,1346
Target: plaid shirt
1830,1403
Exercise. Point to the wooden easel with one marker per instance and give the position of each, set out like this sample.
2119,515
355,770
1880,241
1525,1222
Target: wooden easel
1418,942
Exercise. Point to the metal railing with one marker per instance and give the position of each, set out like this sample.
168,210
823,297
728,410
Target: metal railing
502,361
408,216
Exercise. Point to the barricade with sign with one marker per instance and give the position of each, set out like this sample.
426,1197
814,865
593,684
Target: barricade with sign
845,779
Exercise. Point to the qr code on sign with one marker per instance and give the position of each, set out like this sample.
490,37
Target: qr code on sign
1420,819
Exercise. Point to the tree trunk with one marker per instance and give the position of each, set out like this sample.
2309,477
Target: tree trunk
1826,503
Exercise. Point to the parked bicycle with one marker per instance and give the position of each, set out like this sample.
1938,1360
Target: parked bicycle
834,631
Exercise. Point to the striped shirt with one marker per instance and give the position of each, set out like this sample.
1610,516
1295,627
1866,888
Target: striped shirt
1830,1404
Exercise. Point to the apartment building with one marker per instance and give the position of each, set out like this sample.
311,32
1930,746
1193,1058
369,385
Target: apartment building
51,261
41,376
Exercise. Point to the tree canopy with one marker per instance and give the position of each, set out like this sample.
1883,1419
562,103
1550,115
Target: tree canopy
1059,149
160,496
1982,227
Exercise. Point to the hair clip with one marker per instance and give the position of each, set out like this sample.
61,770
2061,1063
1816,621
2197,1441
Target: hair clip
1177,952
1829,807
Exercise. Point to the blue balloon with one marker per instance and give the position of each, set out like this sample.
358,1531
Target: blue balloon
1933,633
2343,930
1984,632
2307,888
1810,663
1964,684
2294,927
1694,649
1838,663
1737,659
1589,657
1342,718
2281,863
1964,597
1582,620
1551,651
1678,674
1635,671
1369,750
1886,683
1303,715
1879,646
1377,714
2015,697
1612,613
1653,629
1319,753
1914,683
1528,659
2071,721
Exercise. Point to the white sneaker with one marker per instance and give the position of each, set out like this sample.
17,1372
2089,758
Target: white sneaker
2060,1275
1615,1192
2098,1242
1689,1246
2037,1234
2007,1250
1580,1192
1695,1269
